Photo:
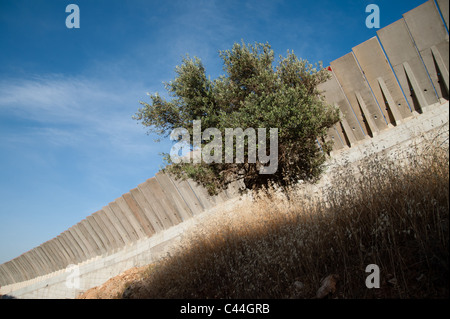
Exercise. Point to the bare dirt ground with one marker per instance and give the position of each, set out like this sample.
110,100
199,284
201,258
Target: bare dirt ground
114,287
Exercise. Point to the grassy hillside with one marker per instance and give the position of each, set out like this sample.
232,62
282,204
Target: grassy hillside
391,213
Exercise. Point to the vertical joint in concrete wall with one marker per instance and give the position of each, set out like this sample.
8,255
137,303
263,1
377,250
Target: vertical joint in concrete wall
427,30
117,224
442,6
19,271
74,232
5,276
346,129
202,194
135,226
93,238
58,264
187,194
30,267
442,70
139,214
117,240
415,90
171,191
38,262
70,250
368,121
106,238
147,209
389,101
334,138
62,251
11,271
164,216
76,248
101,237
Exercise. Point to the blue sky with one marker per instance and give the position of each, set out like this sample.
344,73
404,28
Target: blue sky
68,144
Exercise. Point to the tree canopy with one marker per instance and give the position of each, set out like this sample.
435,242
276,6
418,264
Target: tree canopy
254,93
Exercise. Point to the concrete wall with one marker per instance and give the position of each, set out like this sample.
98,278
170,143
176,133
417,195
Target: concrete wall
158,204
381,84
391,77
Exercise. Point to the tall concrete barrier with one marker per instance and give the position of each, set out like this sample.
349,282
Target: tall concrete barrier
334,95
431,40
407,64
173,195
138,213
382,85
382,81
443,9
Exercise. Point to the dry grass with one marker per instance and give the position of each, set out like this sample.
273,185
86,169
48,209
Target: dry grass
390,214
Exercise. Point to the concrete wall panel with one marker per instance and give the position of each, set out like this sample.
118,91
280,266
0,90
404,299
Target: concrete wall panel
67,258
166,202
201,193
188,194
43,263
139,214
164,215
74,258
23,267
51,255
104,242
58,259
30,265
407,64
172,193
116,221
13,271
62,260
89,238
102,217
5,276
333,95
382,81
20,272
83,240
122,216
359,94
36,261
334,136
103,231
150,214
428,31
33,264
43,254
68,236
133,220
85,253
94,239
443,7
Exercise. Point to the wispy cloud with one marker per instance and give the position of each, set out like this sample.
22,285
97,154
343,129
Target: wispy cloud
72,111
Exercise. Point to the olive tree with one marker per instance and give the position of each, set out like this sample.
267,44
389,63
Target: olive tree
254,92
